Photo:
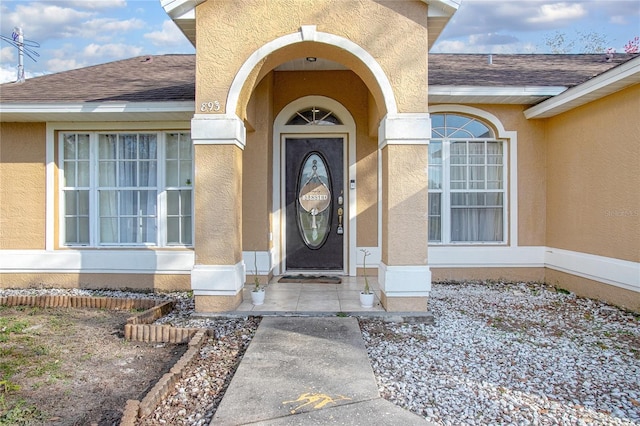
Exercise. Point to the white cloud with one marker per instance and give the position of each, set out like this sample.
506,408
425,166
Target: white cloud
43,20
556,12
95,4
170,35
107,27
60,64
8,75
8,54
110,51
492,39
618,20
450,46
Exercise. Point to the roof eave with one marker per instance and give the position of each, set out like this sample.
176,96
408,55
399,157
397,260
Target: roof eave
182,12
98,111
609,82
517,95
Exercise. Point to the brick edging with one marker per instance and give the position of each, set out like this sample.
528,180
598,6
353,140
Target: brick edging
50,301
139,409
139,328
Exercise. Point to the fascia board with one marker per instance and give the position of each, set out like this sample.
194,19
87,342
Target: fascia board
89,107
489,91
179,8
598,87
441,8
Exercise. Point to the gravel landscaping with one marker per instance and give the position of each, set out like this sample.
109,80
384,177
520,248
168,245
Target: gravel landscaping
512,354
497,354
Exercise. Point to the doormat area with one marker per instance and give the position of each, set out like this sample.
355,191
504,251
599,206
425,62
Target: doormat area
310,279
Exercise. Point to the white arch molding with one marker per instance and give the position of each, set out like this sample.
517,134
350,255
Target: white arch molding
347,130
309,33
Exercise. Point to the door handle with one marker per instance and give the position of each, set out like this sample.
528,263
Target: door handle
340,228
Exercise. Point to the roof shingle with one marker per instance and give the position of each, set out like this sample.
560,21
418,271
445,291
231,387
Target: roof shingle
170,78
164,78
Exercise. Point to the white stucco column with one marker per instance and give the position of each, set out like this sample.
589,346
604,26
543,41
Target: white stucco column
404,274
219,272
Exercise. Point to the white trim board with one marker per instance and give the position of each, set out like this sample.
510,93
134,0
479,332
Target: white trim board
607,270
616,272
99,261
260,260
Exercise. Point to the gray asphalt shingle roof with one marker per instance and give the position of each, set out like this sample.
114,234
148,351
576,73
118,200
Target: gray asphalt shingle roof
163,78
170,78
517,70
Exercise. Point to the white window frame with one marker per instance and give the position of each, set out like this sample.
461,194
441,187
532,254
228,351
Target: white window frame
94,219
446,191
510,155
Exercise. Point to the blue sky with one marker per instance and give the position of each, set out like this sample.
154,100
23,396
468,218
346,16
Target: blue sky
79,33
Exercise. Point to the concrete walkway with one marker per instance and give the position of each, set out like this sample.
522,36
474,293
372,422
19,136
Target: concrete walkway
307,371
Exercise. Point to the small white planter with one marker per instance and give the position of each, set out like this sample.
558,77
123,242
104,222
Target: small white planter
366,300
257,297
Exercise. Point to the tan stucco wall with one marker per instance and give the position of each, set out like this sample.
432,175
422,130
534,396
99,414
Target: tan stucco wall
22,185
348,89
594,290
385,29
257,166
593,176
218,204
506,274
158,282
404,204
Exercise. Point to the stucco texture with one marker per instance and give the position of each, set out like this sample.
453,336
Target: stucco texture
218,204
139,282
404,204
593,176
22,185
385,29
257,165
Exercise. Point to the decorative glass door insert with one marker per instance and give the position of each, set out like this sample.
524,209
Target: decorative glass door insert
314,200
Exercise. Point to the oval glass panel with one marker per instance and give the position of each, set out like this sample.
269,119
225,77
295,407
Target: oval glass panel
314,201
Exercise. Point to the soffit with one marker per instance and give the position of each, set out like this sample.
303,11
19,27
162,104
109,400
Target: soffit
98,112
526,95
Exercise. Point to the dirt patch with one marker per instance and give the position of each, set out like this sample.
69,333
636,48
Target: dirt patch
72,366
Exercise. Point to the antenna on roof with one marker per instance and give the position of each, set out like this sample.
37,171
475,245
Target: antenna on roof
25,47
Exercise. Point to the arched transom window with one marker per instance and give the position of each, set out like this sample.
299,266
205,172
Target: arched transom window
467,181
314,116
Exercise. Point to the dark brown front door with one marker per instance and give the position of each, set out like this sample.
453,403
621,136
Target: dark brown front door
315,208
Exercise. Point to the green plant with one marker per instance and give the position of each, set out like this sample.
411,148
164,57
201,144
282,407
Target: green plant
367,289
20,414
11,325
7,386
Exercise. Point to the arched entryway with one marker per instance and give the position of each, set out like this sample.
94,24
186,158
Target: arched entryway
396,163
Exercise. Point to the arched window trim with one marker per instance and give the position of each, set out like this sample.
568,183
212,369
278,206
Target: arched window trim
451,130
441,140
314,116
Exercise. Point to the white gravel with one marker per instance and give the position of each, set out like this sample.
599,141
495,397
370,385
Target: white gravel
521,354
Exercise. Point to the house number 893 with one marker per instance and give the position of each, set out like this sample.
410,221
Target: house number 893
210,106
